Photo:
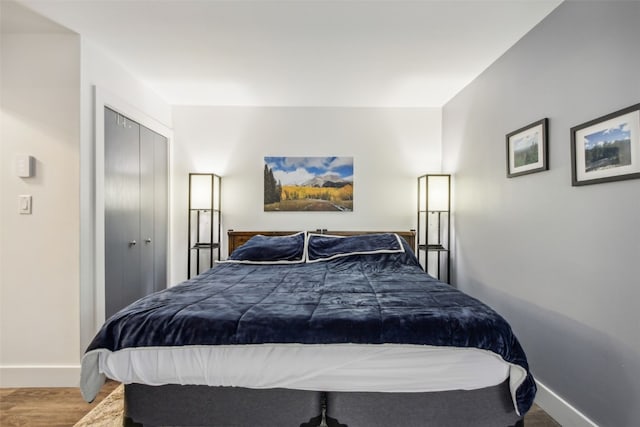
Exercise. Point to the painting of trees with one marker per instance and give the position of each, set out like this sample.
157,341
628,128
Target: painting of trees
308,184
272,189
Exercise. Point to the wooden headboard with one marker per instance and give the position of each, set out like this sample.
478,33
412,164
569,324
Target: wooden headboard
238,238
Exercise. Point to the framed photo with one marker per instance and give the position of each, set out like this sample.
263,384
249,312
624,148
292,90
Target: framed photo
308,184
607,148
527,149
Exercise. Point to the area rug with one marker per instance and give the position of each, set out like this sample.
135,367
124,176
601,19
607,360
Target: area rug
107,413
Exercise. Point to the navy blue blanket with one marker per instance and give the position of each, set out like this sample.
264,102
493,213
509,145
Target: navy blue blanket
367,299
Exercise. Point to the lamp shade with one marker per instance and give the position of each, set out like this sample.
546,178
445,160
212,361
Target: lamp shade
438,193
422,201
201,191
216,192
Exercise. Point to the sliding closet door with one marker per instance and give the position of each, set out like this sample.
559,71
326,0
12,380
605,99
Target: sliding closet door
122,211
153,210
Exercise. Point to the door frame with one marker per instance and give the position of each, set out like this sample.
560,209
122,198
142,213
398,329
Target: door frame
92,241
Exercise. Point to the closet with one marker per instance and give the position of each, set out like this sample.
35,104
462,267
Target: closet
135,211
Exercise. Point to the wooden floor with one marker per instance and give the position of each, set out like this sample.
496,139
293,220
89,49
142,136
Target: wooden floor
46,407
63,407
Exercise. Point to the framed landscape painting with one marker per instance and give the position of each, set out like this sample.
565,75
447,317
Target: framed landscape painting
308,184
607,148
527,149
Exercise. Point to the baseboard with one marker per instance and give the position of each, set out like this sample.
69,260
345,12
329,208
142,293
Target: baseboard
560,409
40,376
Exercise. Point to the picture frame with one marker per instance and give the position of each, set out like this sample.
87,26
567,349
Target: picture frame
527,149
308,184
606,149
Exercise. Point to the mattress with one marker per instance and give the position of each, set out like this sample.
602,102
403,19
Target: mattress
342,367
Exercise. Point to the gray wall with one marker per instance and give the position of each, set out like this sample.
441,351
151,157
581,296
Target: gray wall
561,263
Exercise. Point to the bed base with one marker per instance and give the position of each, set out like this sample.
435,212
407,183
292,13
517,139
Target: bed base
487,407
196,405
199,405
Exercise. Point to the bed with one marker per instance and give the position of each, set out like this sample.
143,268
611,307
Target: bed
313,329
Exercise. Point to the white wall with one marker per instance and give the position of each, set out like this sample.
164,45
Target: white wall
390,147
39,253
48,271
561,263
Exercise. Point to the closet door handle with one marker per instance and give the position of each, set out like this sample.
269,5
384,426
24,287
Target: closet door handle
147,240
132,243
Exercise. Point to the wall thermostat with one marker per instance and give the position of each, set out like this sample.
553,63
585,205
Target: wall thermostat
25,166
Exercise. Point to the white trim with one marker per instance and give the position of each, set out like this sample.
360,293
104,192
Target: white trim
561,410
40,376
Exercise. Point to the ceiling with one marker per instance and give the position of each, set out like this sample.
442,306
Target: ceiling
301,53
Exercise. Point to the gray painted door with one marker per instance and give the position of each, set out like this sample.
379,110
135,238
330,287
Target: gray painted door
135,211
153,209
122,207
161,210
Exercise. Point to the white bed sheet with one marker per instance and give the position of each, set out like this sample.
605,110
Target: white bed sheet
322,367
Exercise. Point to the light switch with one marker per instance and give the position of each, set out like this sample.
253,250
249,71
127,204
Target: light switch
24,204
